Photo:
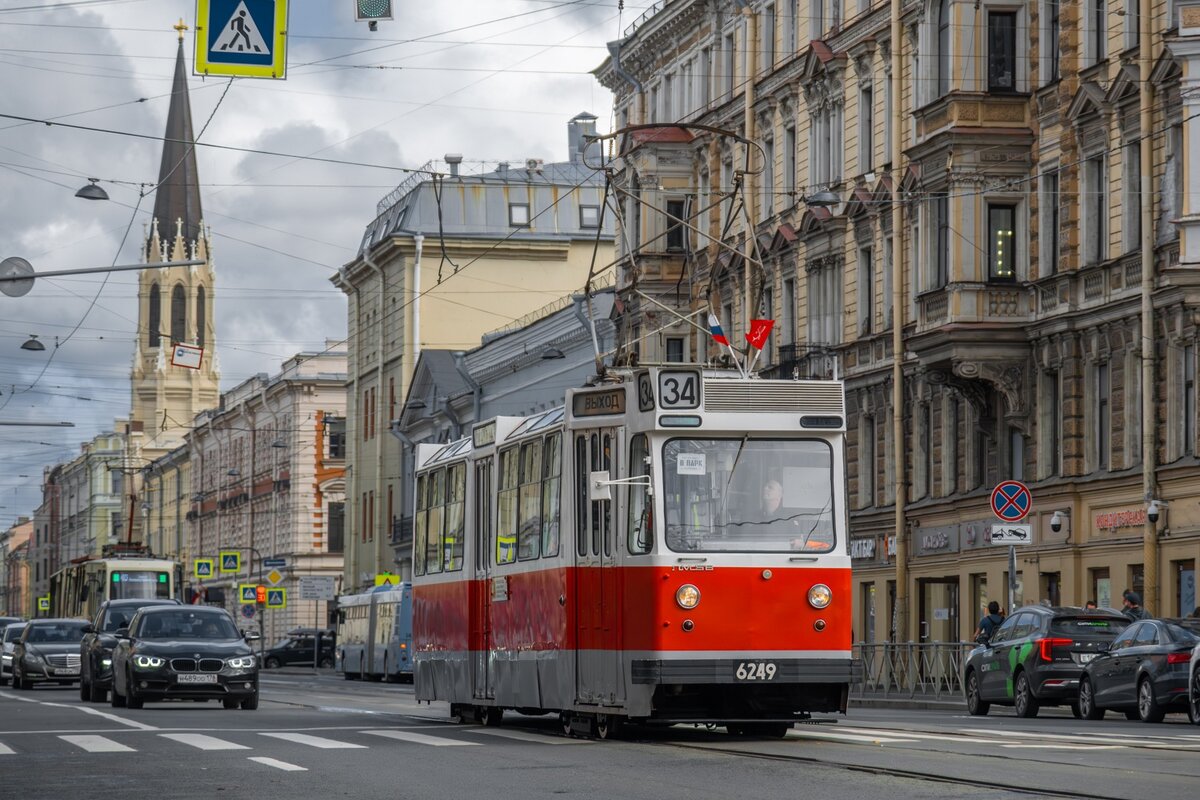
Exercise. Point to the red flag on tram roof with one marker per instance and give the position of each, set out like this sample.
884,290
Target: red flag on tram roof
760,329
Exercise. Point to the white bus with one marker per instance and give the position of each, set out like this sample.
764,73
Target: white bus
374,636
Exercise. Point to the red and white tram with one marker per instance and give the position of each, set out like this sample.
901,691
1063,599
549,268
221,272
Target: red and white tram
671,547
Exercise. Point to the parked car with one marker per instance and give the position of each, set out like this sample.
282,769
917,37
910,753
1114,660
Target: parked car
8,639
99,639
184,652
48,650
1036,657
1144,671
297,649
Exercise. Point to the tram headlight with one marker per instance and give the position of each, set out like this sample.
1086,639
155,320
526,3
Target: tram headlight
687,596
819,596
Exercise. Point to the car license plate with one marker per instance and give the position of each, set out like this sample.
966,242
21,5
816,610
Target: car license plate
196,678
1085,657
66,671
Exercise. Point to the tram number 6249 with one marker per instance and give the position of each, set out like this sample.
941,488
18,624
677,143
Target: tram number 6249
755,671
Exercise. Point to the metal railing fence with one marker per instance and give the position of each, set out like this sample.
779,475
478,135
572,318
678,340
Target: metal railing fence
911,670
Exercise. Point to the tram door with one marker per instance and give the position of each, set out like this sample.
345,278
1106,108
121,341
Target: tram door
599,661
481,601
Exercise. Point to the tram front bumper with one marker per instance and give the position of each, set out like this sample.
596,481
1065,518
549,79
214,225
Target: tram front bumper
749,671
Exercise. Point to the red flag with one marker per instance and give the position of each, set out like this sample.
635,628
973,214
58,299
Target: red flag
760,329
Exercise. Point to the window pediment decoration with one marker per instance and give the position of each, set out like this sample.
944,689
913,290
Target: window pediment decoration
1124,88
911,184
784,238
862,202
824,262
814,221
1089,101
1166,70
821,78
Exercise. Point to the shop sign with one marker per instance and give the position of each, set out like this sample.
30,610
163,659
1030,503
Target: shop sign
934,541
1128,518
863,549
977,533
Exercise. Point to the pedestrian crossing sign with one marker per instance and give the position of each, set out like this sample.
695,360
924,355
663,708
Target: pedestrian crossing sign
204,568
276,598
241,38
44,603
247,593
231,561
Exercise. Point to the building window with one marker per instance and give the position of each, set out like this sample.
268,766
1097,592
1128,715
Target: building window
1002,51
941,222
1016,454
518,215
866,130
335,525
927,447
1132,27
1053,32
954,421
668,97
201,315
943,48
866,291
767,36
887,120
178,314
676,233
1001,242
675,349
705,77
1103,415
1095,209
888,267
787,322
825,304
1098,28
789,27
1131,199
866,462
730,60
818,18
1189,400
335,432
768,178
1050,222
1053,424
589,216
789,166
154,317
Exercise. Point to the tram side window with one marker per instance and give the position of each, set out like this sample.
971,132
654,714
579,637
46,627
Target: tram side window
455,498
606,505
641,526
530,512
581,496
551,469
506,501
433,526
419,517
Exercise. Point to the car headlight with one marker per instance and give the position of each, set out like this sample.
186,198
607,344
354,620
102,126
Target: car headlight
687,596
148,662
240,662
106,662
819,596
33,655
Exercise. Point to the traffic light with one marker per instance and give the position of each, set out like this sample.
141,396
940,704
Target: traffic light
260,594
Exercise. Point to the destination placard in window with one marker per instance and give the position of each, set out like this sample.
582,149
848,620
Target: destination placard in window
597,404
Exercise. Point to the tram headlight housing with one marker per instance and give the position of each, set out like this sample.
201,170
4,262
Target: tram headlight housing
687,596
819,596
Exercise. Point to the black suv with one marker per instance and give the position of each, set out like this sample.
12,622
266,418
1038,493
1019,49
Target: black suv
1037,657
99,639
298,649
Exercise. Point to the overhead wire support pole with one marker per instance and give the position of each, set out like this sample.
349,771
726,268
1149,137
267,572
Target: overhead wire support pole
1146,20
899,451
90,270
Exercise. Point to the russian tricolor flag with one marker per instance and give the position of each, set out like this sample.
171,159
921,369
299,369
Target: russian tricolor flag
714,327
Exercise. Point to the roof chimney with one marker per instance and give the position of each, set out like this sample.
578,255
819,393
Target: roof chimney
453,159
583,124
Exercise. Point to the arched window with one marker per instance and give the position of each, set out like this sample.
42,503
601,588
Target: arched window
943,45
154,318
178,314
200,315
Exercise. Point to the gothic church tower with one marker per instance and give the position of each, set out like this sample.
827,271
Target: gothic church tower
175,304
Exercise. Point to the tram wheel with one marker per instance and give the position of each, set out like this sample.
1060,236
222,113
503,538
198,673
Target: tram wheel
734,729
606,726
565,720
491,716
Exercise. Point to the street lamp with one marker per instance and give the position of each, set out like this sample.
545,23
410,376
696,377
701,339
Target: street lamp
33,344
92,191
821,199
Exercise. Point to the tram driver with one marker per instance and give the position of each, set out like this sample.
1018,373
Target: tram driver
803,529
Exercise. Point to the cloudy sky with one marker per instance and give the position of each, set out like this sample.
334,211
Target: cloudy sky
491,79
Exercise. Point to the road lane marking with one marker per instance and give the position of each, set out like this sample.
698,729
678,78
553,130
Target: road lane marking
97,744
846,737
8,696
315,741
203,742
1065,746
420,738
916,735
527,737
5,750
141,726
277,764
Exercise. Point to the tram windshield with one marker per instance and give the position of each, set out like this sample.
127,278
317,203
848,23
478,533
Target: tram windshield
748,495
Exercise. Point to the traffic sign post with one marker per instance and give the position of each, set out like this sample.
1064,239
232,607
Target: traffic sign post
241,38
1011,502
317,588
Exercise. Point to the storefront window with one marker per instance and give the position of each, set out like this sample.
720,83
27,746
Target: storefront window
979,596
1185,587
868,613
1101,587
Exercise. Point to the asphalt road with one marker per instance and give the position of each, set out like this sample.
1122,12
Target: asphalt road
322,737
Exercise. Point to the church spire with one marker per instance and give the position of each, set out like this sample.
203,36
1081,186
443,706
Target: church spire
178,195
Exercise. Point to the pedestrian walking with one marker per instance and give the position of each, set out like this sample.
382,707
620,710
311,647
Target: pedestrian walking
1133,607
987,626
1090,605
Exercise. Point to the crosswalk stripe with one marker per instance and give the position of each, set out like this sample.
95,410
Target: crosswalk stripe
420,738
315,741
203,742
833,736
97,744
5,750
917,735
277,764
540,738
